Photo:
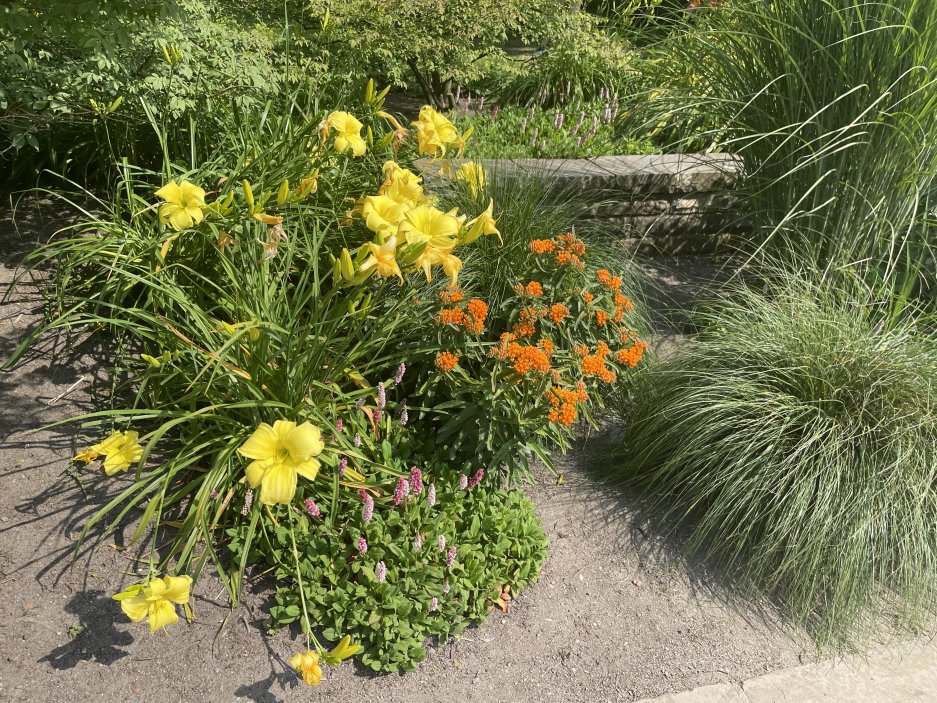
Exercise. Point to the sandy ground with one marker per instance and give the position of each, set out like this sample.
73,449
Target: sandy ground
614,617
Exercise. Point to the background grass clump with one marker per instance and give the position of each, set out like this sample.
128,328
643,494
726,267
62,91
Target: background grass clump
796,442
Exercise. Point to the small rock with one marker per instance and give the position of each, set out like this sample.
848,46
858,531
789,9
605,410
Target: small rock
638,583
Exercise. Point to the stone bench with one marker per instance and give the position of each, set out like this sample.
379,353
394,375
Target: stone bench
661,204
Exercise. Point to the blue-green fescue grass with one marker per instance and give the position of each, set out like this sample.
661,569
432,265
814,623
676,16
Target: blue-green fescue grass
795,442
832,106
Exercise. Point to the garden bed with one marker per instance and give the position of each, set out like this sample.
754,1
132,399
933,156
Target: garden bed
613,617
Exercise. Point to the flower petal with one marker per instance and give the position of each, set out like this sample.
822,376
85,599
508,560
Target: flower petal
260,445
307,469
161,613
278,485
171,193
256,471
177,589
303,442
134,608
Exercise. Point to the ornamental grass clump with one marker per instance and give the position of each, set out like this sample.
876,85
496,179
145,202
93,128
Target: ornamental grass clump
796,442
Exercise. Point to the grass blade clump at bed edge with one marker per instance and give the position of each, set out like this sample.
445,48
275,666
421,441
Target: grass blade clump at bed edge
796,442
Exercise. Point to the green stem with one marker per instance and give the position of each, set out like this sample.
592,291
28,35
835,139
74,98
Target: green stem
302,590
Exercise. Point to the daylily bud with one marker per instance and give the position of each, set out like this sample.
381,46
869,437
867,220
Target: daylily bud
284,192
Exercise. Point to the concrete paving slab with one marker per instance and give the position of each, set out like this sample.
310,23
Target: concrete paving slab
905,674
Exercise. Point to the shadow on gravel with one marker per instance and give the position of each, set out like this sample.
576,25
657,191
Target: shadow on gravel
96,638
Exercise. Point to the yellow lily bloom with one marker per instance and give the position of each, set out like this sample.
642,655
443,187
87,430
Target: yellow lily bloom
308,666
280,453
183,204
381,213
485,223
473,173
427,225
434,132
401,185
349,133
120,451
154,601
384,258
437,257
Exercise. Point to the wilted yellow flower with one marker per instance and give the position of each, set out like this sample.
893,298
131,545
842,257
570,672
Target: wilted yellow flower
308,666
381,213
276,236
183,204
434,132
485,223
384,258
348,137
473,173
308,185
280,453
154,600
427,225
268,219
120,451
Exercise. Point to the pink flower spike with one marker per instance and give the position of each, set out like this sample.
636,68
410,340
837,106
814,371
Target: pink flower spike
418,542
312,508
445,586
431,495
368,511
463,482
381,395
401,491
380,573
362,545
477,478
342,467
401,370
357,439
339,425
442,543
434,605
450,557
416,481
248,501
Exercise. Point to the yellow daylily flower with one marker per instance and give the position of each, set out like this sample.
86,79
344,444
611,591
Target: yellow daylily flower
280,453
348,137
183,206
308,666
384,258
381,213
473,173
430,257
434,132
427,225
120,450
154,600
485,223
401,185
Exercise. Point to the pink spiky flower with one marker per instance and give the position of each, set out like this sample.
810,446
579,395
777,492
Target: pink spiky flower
416,481
401,491
431,495
463,482
477,478
450,557
362,545
442,543
380,573
312,508
367,513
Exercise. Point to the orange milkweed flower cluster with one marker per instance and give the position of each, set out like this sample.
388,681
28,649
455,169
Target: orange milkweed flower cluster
594,364
527,325
446,361
451,295
563,403
601,317
526,358
472,318
533,288
568,247
630,356
558,312
542,246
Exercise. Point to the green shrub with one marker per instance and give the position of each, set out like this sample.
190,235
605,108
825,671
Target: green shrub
427,45
84,80
579,62
796,441
498,546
